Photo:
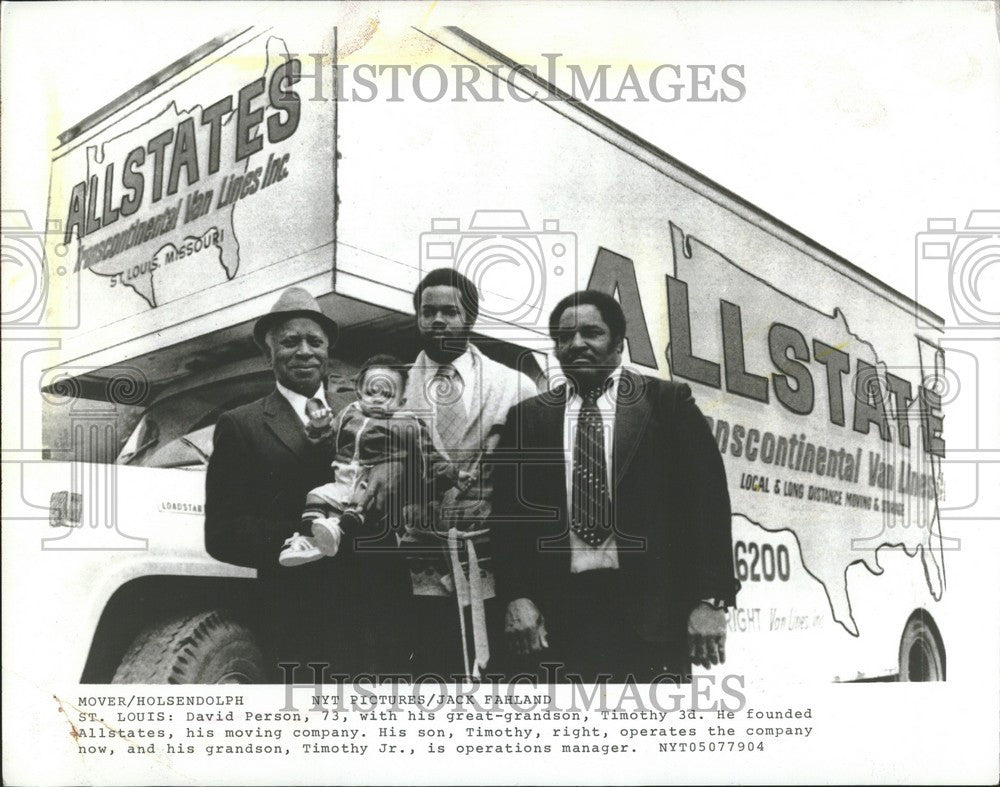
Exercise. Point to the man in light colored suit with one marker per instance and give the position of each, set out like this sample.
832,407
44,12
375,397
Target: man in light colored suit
465,397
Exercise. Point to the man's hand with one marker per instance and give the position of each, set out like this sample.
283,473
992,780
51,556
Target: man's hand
525,627
381,487
707,635
320,417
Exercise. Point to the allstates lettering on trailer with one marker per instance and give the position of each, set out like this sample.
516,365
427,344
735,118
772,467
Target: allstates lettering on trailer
93,204
793,388
183,169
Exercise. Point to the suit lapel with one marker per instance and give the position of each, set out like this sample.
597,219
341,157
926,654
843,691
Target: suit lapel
549,438
285,424
557,437
631,416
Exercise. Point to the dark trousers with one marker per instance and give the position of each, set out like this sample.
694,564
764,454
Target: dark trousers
436,635
590,636
377,614
299,625
352,612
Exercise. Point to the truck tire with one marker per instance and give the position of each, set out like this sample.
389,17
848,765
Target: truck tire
200,648
921,652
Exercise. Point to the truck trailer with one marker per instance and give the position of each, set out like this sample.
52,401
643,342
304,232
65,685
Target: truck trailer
284,155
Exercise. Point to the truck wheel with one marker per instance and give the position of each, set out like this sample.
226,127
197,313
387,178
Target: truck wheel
921,652
206,647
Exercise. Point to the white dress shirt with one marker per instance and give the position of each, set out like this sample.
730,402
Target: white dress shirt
489,390
465,366
583,556
298,401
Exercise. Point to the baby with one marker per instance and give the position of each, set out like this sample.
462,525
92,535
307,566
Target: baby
371,432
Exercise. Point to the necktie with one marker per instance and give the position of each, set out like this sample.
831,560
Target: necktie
450,416
591,505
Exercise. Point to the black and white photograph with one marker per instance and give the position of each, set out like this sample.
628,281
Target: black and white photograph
501,392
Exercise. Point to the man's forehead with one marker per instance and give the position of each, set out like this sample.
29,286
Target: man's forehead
584,314
298,325
441,295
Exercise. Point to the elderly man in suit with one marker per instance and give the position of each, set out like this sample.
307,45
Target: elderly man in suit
261,468
611,519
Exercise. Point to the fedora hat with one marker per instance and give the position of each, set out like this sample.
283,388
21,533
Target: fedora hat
294,302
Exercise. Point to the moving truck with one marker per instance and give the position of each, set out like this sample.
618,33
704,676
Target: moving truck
316,157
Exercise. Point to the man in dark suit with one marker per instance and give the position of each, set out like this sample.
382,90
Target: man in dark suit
261,468
611,516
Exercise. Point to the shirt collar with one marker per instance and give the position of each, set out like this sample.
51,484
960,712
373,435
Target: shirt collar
298,401
465,363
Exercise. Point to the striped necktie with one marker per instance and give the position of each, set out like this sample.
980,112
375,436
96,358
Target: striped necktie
591,516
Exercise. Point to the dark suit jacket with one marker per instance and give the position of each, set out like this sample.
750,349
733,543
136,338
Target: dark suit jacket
670,498
347,609
262,465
